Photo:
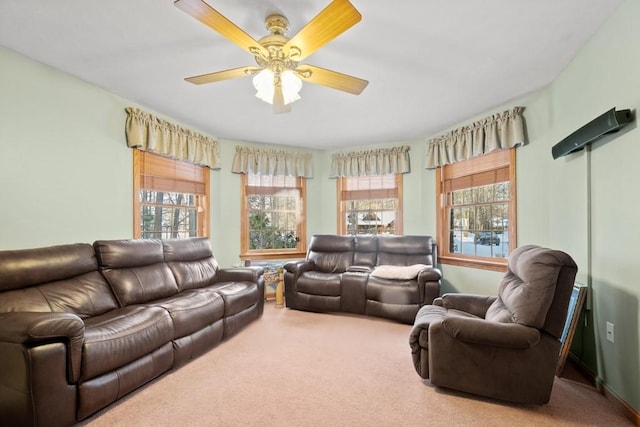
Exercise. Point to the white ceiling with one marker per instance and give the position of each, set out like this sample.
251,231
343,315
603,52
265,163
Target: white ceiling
430,63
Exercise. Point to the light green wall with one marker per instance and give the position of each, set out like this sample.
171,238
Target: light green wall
605,74
65,176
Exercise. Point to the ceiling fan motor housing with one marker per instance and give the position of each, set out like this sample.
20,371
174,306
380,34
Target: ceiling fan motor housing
278,60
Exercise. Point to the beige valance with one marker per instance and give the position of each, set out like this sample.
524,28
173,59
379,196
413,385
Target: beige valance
496,132
371,162
261,161
149,133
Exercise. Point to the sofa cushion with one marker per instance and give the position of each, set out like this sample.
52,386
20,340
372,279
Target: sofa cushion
135,270
28,299
121,336
191,249
142,284
316,283
237,296
405,250
86,295
331,253
61,278
498,312
191,261
191,311
194,274
393,291
398,272
29,267
128,253
366,251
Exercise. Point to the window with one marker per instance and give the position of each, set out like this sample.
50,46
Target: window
370,204
476,210
170,197
273,219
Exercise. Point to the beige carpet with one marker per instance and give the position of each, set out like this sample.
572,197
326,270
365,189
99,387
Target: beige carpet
293,368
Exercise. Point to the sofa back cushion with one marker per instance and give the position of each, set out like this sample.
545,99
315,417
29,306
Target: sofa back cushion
536,280
87,295
406,250
28,267
135,270
61,278
331,253
191,261
366,251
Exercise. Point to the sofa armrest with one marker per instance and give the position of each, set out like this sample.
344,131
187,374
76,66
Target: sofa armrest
300,266
429,275
479,331
469,303
239,274
364,269
32,328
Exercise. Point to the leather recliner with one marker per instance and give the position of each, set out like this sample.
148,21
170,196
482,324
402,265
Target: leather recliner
506,346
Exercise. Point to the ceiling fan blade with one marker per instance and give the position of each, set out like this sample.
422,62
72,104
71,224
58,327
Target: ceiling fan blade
223,75
332,79
218,22
332,21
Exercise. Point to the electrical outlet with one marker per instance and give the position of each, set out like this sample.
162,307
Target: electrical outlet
610,332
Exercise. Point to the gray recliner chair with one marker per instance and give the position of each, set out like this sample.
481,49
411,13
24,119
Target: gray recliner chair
505,347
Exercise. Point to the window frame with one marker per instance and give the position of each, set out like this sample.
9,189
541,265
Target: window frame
178,171
493,161
300,251
341,187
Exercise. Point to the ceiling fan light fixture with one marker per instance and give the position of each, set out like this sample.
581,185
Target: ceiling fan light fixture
264,82
291,85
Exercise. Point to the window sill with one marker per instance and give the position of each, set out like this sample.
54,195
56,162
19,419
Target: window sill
479,263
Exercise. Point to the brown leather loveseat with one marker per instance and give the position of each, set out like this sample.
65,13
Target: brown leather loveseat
83,325
382,276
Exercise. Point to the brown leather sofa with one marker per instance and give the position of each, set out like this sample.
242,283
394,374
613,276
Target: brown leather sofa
383,276
504,347
81,325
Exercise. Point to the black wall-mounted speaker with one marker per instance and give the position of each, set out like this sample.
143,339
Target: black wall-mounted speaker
609,122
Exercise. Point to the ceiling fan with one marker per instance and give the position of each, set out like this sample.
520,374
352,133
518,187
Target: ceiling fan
279,74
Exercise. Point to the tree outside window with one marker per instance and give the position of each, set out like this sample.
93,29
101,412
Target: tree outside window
167,215
273,221
170,198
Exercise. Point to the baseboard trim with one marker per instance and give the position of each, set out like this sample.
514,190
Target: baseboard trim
620,404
